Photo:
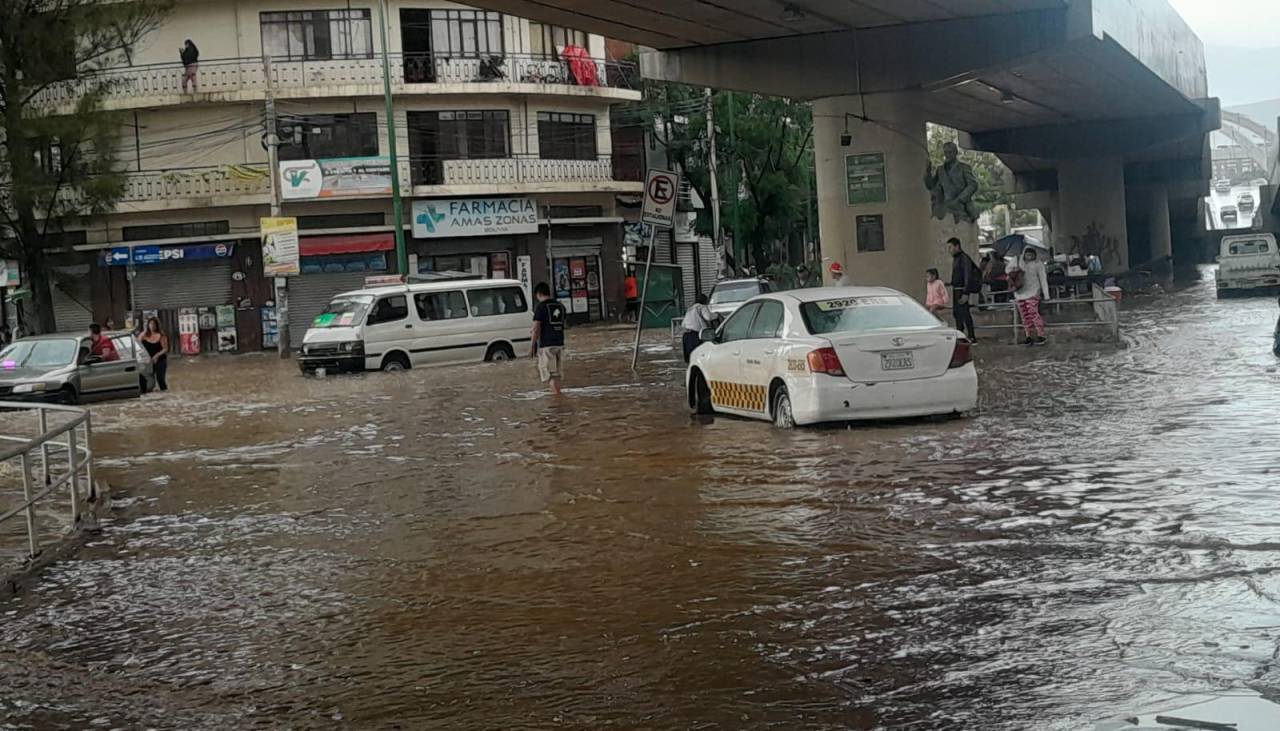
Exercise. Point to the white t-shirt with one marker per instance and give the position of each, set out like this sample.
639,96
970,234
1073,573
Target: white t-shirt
1035,282
698,318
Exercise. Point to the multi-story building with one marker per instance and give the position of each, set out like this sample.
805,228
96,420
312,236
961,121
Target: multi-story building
490,111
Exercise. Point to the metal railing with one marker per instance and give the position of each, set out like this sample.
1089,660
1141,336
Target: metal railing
337,75
37,462
1106,313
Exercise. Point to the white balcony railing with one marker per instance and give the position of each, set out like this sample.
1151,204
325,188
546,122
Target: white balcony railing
516,170
142,85
225,181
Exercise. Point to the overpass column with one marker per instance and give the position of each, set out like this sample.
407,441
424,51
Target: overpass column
856,201
1091,202
1161,228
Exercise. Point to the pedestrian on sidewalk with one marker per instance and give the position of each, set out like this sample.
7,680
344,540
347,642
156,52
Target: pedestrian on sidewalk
698,318
966,280
190,56
1031,283
631,289
157,344
936,297
838,278
547,336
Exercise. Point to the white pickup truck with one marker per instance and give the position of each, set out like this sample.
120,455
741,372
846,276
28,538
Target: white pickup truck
1247,262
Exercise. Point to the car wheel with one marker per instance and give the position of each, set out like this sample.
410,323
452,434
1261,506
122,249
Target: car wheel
68,396
395,364
782,416
701,395
500,353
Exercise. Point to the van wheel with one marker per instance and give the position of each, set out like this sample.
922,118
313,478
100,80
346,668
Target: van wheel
500,353
701,395
395,363
782,416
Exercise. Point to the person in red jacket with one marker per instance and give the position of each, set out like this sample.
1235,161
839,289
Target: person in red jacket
100,345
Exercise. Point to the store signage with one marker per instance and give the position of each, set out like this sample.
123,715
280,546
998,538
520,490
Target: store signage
449,217
341,177
524,272
142,255
279,246
9,273
866,179
660,191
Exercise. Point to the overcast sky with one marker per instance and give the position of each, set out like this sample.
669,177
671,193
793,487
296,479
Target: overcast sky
1247,23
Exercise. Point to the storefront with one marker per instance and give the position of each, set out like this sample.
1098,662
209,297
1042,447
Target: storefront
577,277
332,265
187,287
481,236
70,289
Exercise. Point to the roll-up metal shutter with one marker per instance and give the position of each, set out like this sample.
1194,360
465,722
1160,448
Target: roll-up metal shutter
309,294
173,286
662,252
71,292
686,259
709,261
563,248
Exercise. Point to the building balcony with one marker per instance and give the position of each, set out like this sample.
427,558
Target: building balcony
246,79
518,175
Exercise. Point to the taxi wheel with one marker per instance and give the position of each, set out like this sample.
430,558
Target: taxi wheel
782,416
701,395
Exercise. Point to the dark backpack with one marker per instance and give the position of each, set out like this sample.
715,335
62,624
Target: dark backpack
975,277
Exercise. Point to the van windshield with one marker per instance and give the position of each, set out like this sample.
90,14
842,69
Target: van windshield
1245,248
345,312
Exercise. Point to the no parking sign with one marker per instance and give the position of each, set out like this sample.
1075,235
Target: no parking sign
660,190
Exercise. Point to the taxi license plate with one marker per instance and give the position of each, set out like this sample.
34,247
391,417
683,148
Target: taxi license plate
902,360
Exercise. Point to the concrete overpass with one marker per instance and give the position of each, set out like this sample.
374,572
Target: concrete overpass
1100,107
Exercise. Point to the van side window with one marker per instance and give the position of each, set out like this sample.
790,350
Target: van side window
497,301
440,305
389,309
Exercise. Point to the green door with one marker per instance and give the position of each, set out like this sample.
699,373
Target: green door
662,301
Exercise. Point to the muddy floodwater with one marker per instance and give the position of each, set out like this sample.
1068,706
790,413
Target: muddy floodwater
453,549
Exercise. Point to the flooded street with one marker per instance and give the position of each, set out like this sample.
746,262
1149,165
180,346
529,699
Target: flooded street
452,549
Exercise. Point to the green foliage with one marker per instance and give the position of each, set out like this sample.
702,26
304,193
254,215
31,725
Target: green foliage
58,152
991,173
765,162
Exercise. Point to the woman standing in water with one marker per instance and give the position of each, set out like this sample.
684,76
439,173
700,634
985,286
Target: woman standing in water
157,344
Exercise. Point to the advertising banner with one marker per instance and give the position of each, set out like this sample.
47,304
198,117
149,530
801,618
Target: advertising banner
151,254
449,217
340,177
279,246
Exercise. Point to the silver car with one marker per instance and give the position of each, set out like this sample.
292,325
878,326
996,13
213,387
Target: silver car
59,368
730,294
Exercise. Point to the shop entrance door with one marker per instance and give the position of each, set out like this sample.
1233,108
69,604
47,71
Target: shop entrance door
578,286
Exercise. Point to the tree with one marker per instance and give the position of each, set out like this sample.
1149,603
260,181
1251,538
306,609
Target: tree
57,165
766,167
991,173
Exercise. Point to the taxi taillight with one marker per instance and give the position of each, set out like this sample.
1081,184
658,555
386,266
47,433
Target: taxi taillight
825,360
962,355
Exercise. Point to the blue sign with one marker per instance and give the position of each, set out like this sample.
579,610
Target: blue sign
120,255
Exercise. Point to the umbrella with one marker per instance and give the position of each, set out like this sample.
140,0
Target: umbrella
1014,244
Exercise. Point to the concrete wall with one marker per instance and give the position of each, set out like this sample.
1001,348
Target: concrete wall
1092,209
1155,34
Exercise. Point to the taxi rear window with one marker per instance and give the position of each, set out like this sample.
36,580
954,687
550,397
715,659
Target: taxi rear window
864,314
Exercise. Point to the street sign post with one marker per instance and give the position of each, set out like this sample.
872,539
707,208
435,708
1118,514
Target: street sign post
661,188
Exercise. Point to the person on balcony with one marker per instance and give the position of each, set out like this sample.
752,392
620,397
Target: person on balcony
190,55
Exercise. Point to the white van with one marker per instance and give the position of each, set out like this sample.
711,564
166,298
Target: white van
410,325
1248,261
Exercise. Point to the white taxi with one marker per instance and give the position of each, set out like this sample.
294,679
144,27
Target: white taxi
832,354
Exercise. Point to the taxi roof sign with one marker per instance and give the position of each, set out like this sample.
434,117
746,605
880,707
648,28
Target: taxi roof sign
661,188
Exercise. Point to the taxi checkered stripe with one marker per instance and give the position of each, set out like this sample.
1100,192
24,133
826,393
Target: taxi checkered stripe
739,395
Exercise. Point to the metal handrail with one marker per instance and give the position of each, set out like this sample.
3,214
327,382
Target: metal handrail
79,456
1104,306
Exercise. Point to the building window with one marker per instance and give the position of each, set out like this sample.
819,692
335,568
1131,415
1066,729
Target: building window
317,34
466,33
465,135
175,230
547,40
317,136
564,136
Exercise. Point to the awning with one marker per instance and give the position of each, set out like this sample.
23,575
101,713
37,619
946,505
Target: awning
351,244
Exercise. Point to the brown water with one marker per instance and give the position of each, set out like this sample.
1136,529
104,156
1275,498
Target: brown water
452,549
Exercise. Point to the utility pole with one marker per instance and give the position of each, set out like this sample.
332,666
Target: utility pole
397,205
716,234
273,173
733,178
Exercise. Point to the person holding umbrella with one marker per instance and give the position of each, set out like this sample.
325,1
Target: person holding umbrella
1030,281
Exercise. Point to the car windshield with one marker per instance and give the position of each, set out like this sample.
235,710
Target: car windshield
1244,248
343,312
737,292
38,354
864,314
